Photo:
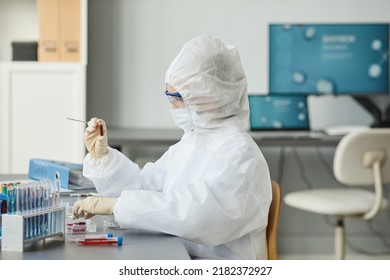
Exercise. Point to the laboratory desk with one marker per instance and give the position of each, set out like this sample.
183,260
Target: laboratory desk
130,137
137,245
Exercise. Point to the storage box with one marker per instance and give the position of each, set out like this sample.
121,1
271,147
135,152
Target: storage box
59,30
24,51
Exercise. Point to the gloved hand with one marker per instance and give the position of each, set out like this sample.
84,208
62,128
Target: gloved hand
91,206
95,143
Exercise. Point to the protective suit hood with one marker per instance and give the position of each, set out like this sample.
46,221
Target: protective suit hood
209,76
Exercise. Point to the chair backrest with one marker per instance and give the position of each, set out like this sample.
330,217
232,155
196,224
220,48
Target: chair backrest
363,158
273,219
356,151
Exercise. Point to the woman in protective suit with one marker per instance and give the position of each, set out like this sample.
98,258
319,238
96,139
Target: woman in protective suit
213,187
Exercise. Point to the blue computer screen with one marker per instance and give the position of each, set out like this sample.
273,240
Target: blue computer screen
329,58
278,112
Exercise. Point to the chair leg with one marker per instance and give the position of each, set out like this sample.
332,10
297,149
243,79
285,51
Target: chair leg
340,239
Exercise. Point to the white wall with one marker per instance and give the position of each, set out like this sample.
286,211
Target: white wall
132,42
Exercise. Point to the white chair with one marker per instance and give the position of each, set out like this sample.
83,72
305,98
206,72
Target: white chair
361,158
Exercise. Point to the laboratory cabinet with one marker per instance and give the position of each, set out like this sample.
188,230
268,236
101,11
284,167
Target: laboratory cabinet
35,100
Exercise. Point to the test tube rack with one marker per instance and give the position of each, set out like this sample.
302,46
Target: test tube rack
16,228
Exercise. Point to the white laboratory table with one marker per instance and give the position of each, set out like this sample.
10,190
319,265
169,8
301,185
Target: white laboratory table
137,245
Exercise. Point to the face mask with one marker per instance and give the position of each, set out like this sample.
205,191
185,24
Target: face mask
182,118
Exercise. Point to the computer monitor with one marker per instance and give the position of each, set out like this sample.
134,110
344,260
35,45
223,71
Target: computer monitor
278,112
340,59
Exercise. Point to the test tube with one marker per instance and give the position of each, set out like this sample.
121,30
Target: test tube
19,200
40,196
3,204
55,193
44,224
45,204
11,207
45,195
32,198
101,130
89,236
27,199
34,207
26,228
102,241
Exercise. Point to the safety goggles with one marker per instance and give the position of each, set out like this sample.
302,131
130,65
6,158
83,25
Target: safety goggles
174,97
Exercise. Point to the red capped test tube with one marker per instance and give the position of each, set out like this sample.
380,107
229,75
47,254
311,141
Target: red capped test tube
83,237
102,241
101,130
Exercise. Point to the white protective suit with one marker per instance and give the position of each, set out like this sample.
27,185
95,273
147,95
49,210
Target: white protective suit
213,187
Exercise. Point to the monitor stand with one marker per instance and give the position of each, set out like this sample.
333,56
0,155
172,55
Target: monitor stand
379,119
